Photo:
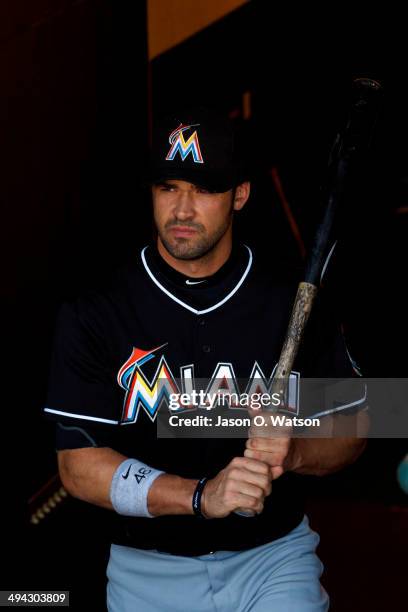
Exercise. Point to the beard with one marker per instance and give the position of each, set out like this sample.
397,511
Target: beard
196,246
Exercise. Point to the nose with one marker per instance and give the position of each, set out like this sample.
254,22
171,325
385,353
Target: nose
184,206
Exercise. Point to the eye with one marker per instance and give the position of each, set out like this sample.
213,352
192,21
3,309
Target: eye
202,190
166,187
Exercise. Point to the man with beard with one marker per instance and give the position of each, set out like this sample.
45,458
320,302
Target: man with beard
195,302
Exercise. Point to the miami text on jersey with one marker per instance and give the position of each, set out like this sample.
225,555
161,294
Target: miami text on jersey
140,392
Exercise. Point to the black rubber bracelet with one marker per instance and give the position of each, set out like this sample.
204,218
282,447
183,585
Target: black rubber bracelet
197,497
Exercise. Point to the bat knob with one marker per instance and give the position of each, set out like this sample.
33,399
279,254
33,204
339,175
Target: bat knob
245,513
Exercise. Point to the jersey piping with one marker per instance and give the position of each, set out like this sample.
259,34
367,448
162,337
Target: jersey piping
81,431
341,407
80,416
187,306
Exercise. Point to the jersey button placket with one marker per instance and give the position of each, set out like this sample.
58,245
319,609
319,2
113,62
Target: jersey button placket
203,348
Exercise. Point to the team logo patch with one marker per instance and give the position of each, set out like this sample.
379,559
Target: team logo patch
139,390
184,147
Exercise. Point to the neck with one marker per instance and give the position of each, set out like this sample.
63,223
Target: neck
204,266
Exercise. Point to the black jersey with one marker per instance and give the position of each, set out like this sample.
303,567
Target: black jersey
112,344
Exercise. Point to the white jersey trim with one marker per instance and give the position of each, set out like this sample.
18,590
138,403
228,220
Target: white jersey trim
194,310
80,416
342,406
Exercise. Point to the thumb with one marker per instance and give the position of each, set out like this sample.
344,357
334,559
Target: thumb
276,472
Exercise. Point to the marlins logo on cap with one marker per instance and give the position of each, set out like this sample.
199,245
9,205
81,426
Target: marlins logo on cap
178,144
197,145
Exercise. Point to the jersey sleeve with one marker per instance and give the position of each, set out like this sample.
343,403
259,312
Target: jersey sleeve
84,435
82,388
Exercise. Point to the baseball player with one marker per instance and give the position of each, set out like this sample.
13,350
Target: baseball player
193,305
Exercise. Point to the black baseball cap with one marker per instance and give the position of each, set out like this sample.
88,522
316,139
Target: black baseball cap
199,146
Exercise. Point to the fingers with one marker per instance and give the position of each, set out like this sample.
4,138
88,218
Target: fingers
276,432
271,459
248,471
275,469
276,472
266,430
271,445
243,503
275,459
243,483
249,464
248,489
271,450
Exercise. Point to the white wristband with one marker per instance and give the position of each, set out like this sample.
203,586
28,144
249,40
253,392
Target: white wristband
129,488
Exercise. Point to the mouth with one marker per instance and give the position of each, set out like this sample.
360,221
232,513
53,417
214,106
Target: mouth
182,232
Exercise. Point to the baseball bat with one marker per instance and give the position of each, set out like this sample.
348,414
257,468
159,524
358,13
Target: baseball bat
349,145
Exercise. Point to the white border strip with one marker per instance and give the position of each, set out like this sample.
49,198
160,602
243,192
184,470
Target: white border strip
340,408
173,297
80,416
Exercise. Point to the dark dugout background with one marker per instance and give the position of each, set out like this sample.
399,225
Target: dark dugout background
77,98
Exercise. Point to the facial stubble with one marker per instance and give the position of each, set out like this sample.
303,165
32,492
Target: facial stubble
199,245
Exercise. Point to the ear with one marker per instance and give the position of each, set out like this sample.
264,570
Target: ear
241,195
